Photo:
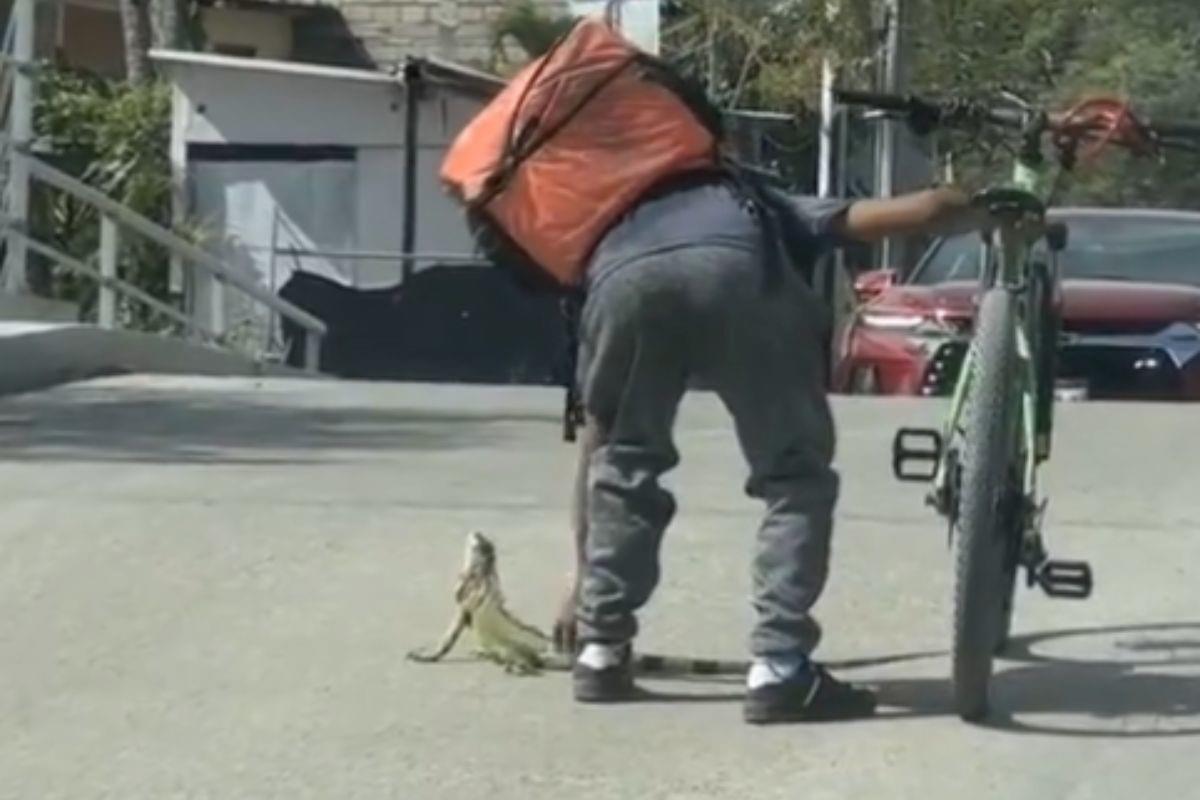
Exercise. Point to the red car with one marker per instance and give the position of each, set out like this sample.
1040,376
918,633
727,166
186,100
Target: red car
1130,312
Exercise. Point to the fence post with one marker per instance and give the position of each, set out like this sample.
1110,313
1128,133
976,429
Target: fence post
312,351
20,129
110,248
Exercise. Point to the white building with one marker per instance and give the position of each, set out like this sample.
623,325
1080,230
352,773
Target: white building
300,169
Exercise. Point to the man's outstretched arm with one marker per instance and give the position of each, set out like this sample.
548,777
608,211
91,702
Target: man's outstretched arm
941,211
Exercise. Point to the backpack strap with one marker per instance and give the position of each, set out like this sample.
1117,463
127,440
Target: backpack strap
770,218
521,144
571,306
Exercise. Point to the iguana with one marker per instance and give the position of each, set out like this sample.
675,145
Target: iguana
518,646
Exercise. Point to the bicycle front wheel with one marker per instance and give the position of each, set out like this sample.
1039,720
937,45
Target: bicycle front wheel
989,464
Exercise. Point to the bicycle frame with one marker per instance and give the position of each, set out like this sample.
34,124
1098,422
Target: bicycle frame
1005,262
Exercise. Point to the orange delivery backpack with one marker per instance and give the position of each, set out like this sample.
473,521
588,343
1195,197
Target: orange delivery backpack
573,141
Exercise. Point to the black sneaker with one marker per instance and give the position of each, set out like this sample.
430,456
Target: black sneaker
812,695
609,685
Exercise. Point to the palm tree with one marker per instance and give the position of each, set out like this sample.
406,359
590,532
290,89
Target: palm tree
530,27
167,22
135,26
151,23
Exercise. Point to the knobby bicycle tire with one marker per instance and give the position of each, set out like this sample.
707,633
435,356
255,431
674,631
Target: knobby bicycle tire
989,452
1043,343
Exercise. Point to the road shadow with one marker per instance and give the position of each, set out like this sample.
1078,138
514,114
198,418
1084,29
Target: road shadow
732,680
731,674
1143,695
198,428
1152,690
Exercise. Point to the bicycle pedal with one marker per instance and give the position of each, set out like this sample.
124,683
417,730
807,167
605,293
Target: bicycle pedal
919,447
1066,579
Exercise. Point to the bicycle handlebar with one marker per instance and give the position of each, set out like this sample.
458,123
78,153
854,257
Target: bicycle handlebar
1102,121
932,112
1173,129
884,102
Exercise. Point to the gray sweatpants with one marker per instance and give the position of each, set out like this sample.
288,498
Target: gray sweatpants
646,331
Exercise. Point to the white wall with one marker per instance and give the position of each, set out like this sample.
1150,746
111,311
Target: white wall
380,213
440,228
308,206
356,205
250,107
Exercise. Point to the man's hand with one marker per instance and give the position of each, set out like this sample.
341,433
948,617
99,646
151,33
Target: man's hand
564,622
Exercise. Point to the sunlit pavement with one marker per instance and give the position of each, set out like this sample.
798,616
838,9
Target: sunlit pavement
207,589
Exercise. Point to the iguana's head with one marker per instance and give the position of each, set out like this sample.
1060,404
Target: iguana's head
480,557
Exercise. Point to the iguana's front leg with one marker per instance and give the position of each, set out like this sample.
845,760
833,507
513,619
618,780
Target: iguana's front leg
522,661
521,667
519,661
426,655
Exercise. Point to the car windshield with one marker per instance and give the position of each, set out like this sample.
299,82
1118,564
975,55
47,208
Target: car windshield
1150,249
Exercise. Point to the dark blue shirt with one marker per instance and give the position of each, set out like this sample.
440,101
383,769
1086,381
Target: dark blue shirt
708,215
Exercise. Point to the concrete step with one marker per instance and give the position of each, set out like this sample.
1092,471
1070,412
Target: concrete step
38,355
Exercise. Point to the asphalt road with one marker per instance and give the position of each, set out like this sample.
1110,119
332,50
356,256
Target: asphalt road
207,588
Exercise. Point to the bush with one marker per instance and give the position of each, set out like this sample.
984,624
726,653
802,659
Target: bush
115,137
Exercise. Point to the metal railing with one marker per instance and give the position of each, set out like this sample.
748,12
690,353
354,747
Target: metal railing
115,217
23,167
110,284
457,259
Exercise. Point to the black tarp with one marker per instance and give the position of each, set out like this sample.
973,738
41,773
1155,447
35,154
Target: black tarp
446,323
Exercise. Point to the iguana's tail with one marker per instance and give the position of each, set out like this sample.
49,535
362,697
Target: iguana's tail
651,664
654,664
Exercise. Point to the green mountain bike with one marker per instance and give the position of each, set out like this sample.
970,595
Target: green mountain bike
982,464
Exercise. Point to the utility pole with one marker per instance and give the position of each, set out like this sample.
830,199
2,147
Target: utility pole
891,83
827,151
831,273
895,80
712,58
21,135
831,270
